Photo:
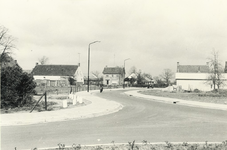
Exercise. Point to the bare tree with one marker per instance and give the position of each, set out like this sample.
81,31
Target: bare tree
6,43
140,77
132,70
215,77
167,75
44,60
158,81
97,74
149,76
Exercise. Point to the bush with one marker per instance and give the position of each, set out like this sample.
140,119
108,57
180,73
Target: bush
210,95
214,93
17,87
197,91
139,85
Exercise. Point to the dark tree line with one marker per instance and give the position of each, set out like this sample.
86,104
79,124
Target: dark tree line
17,87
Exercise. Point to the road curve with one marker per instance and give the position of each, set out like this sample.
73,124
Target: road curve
138,120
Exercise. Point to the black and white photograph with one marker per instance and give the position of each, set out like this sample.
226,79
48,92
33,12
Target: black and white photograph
113,74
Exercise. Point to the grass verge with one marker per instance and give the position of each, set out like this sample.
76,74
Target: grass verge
209,97
145,146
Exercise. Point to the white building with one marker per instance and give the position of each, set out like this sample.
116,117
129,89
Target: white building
191,77
113,75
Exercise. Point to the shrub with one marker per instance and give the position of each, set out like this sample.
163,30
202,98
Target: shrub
209,95
139,85
197,91
17,87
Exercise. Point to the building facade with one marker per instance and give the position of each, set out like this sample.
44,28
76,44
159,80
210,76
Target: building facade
191,77
113,76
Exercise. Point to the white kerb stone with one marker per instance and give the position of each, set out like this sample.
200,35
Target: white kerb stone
79,99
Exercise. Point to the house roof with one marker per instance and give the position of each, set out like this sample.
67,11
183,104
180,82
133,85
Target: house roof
113,70
91,76
55,70
193,68
148,79
133,75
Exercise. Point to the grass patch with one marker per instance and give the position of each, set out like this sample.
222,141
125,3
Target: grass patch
54,102
58,97
209,97
145,146
220,93
28,107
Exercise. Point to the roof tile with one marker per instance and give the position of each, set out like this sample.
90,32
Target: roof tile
55,70
113,70
193,68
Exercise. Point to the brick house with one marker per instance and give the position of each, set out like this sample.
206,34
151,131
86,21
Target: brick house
113,75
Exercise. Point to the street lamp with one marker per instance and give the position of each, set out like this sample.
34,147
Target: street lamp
124,72
89,63
79,57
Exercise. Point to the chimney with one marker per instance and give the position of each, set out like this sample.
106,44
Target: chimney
178,66
78,64
15,61
37,64
207,63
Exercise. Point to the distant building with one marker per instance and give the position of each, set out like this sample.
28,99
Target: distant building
191,77
56,75
148,81
93,79
113,75
131,79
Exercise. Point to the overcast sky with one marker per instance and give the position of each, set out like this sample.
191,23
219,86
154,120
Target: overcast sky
154,34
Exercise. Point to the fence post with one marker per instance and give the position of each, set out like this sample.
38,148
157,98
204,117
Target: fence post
37,102
45,100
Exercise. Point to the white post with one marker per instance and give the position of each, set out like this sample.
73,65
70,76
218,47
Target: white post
74,99
79,99
65,103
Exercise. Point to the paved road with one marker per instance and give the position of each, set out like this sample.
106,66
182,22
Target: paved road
139,120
